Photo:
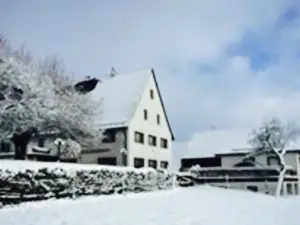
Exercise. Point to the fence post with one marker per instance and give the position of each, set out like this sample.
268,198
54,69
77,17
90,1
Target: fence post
174,180
227,180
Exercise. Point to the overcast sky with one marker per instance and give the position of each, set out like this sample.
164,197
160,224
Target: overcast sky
222,64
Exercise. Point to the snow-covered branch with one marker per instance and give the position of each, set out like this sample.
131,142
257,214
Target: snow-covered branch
274,137
39,95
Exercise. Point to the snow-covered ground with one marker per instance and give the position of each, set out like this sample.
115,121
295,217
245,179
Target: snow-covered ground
187,206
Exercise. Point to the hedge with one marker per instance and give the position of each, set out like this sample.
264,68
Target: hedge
42,183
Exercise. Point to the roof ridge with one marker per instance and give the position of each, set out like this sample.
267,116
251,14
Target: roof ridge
108,75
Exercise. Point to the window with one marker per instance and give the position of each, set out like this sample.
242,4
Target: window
164,164
152,163
151,94
289,188
296,188
145,114
163,143
139,137
109,136
152,140
273,161
112,161
252,188
5,147
41,142
139,162
158,119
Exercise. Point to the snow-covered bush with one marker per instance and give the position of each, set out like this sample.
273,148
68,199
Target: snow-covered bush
59,180
69,149
194,170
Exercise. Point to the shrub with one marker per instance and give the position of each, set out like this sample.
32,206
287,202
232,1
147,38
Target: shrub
59,182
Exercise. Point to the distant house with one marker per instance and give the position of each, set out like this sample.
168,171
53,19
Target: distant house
133,115
256,173
44,148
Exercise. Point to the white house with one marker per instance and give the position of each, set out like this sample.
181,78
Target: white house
134,113
259,173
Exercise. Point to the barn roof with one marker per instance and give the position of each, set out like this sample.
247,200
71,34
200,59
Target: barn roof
224,142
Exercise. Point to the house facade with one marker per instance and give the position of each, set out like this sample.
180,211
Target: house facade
137,132
135,122
149,134
112,150
258,173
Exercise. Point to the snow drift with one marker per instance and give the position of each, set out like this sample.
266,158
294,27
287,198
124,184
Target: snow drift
186,206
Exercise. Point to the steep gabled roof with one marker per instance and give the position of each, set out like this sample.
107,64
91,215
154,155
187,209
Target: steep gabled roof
120,96
163,105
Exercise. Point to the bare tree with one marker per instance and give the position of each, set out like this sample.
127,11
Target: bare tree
38,96
274,137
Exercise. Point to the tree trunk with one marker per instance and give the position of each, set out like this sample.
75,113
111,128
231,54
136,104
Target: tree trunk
21,141
283,168
280,181
20,151
174,180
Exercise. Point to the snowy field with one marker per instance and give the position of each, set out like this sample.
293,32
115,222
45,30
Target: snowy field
187,206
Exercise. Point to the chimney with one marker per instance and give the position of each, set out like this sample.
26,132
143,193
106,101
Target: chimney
113,72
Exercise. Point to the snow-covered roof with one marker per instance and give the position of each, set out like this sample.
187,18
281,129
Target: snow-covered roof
226,141
119,96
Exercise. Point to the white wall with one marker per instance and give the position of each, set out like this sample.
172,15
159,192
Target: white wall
230,160
150,126
291,159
